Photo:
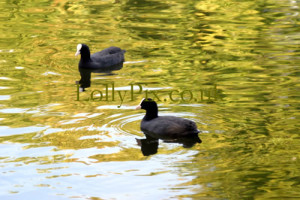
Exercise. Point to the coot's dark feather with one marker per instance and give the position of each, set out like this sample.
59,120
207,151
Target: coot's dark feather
165,127
104,59
169,126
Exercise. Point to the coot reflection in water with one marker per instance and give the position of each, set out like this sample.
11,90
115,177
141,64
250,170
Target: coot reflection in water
85,74
149,145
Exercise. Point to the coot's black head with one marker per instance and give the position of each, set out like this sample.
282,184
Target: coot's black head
151,108
148,104
84,50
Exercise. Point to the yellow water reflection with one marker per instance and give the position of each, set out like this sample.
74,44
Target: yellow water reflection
57,146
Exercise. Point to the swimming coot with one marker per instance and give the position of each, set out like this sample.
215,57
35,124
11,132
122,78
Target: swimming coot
165,127
104,59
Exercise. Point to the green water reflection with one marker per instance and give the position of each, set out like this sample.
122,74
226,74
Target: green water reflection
54,146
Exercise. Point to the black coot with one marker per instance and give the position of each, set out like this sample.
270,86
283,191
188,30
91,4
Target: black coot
165,127
105,59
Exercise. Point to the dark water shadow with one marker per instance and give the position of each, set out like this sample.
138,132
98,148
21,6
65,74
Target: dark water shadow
149,145
85,74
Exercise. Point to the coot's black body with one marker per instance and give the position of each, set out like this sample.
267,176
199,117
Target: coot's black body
165,127
104,60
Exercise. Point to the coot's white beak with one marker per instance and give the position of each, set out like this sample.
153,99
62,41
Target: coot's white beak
78,49
139,106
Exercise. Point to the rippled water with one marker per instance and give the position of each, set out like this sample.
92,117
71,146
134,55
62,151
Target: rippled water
235,63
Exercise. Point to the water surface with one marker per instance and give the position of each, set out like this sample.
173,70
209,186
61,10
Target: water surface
236,64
